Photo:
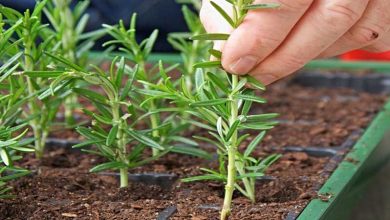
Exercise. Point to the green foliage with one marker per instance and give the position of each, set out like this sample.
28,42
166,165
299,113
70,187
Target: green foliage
137,108
23,52
71,42
233,116
161,126
30,38
191,51
222,101
116,130
11,145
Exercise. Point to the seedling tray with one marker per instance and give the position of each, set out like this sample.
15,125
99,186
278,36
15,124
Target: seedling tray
352,163
339,194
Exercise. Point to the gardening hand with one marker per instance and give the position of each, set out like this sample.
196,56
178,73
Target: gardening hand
272,43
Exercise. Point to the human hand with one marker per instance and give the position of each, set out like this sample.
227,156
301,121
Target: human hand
273,43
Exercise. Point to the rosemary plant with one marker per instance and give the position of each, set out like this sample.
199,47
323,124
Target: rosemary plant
11,102
32,43
139,52
191,51
71,41
111,131
224,102
117,127
9,147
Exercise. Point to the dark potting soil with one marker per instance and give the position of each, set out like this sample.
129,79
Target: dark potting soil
317,116
61,187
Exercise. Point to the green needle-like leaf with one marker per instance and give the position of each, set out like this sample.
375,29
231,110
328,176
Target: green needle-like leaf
191,151
209,103
251,98
254,83
145,140
112,135
262,6
107,166
255,142
208,64
215,53
223,13
218,82
211,36
43,74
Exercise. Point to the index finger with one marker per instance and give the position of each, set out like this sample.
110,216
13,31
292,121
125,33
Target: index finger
261,32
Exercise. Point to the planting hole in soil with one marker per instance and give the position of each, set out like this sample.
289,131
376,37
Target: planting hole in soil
121,137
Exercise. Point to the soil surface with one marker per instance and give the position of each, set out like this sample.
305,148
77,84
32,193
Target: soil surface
328,116
62,188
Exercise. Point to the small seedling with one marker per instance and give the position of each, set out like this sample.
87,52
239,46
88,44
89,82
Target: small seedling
116,130
32,41
241,166
12,130
139,53
191,51
68,27
224,102
10,147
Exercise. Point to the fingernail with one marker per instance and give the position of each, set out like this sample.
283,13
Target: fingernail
244,65
267,79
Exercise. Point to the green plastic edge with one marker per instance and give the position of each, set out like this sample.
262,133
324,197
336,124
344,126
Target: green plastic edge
327,64
347,170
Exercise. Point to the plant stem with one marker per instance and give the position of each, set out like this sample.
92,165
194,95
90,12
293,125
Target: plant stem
121,143
154,123
32,105
190,66
248,183
232,149
154,120
124,178
68,40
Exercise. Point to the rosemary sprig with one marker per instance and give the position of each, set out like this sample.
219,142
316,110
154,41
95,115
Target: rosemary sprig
191,52
126,39
70,41
11,145
117,128
223,101
29,30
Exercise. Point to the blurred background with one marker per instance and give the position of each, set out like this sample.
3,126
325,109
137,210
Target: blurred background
164,15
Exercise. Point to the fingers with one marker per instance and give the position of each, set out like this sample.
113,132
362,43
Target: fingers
261,32
324,23
373,26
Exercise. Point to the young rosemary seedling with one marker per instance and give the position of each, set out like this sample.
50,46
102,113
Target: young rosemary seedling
11,145
27,52
117,127
139,52
191,51
223,101
111,130
70,40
